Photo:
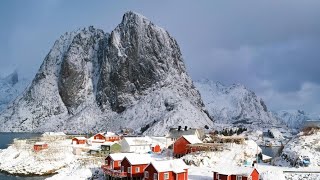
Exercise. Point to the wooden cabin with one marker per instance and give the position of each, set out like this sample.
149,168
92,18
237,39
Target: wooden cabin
79,140
166,170
180,145
134,164
113,161
239,173
38,146
105,136
155,148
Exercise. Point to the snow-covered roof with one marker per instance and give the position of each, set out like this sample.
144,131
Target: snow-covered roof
138,141
192,139
118,156
235,170
135,159
175,165
53,134
175,133
40,143
265,157
80,138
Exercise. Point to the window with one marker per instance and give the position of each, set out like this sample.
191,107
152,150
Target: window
119,163
146,174
155,176
250,178
107,162
239,177
122,168
166,175
137,169
129,170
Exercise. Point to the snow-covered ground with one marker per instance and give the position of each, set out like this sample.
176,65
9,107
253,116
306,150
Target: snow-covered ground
20,158
299,146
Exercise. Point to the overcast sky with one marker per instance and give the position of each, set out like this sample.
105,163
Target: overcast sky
272,47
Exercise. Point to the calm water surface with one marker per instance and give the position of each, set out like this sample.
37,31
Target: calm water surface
5,140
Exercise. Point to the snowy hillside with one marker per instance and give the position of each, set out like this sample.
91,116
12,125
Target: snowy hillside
90,80
10,87
234,104
294,118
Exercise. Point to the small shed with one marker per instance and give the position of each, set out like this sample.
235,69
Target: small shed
180,145
155,148
38,146
79,140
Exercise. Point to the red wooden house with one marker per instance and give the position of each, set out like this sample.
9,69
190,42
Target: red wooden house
180,145
113,161
166,170
155,148
79,140
134,164
238,173
106,136
38,146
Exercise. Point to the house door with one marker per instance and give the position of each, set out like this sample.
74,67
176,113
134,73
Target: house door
122,168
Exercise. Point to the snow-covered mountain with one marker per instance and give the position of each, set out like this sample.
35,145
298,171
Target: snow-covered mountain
10,87
234,104
92,81
294,118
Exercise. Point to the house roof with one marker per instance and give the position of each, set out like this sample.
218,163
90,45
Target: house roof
80,138
175,133
138,141
118,156
175,165
235,170
136,159
40,143
192,139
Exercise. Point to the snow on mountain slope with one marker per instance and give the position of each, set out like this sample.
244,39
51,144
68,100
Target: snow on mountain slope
10,87
234,104
294,118
92,81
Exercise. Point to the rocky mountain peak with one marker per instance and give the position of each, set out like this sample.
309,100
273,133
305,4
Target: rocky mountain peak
92,80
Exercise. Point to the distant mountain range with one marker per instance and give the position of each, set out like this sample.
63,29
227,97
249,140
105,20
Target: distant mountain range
294,118
10,87
234,104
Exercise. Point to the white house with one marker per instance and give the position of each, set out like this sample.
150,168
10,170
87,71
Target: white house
136,144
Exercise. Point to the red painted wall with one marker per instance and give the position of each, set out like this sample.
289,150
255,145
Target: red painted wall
113,138
78,141
125,163
179,146
151,171
99,136
222,177
40,147
255,175
156,148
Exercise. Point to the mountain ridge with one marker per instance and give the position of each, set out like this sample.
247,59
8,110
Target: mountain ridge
92,80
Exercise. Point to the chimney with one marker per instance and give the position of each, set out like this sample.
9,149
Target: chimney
179,128
186,128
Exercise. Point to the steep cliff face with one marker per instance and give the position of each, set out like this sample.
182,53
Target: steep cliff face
90,80
234,104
